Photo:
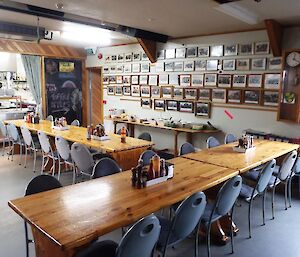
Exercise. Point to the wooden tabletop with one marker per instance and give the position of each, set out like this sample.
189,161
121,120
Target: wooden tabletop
224,155
74,215
78,134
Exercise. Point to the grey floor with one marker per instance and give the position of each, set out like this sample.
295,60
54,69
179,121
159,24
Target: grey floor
280,237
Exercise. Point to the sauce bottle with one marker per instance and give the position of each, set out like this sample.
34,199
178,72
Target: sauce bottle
123,135
156,165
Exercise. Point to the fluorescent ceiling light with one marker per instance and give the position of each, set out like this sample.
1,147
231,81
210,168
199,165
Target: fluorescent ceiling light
238,12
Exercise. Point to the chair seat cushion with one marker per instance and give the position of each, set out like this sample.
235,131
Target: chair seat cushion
252,174
164,232
105,248
246,192
207,212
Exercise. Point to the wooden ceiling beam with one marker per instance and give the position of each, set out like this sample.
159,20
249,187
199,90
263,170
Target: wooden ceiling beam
275,32
149,48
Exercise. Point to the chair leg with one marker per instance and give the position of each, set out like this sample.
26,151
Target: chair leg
231,233
25,161
285,193
290,191
26,240
197,240
273,196
59,169
34,159
208,239
249,217
12,152
21,152
3,146
264,206
9,149
43,161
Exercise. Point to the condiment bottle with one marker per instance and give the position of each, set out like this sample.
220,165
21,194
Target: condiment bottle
88,133
156,165
134,176
151,172
163,171
123,135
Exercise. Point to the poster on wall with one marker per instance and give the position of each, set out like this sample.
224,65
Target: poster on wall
63,80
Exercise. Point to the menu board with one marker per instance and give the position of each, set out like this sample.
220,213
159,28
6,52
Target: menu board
63,79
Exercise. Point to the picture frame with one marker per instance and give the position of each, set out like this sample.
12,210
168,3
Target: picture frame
172,105
160,67
145,91
212,65
159,105
118,90
114,58
105,69
185,80
120,68
230,49
105,80
202,109
234,96
112,79
243,64
121,57
169,66
155,91
186,106
136,57
239,80
272,81
218,95
143,80
262,48
271,98
229,65
135,79
163,79
135,91
180,53
170,53
128,57
127,68
146,103
145,67
136,67
203,51
251,96
191,52
204,94
200,65
160,55
167,91
127,90
275,63
145,57
197,80
216,50
178,66
152,80
258,63
210,79
112,69
178,93
108,58
224,80
246,49
189,66
110,90
255,80
191,93
173,79
119,79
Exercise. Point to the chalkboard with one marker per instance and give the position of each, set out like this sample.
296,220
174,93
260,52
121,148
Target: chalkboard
63,79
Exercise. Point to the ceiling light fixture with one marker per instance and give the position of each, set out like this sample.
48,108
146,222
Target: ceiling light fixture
59,6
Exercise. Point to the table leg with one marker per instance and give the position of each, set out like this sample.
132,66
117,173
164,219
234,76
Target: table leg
175,143
189,137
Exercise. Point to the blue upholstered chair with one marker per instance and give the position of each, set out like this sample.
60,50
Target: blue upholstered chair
145,136
186,148
212,142
229,138
146,157
105,167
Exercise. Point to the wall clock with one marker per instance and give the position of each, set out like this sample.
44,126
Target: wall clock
293,59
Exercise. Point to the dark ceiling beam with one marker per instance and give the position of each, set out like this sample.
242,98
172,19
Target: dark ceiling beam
149,48
275,32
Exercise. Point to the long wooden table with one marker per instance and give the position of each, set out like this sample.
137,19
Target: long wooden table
126,154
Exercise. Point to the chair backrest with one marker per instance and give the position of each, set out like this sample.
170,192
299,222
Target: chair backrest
145,136
119,132
140,239
146,157
42,183
227,195
13,132
50,118
44,142
265,176
287,165
82,157
229,138
186,148
105,167
3,129
26,135
75,123
187,215
62,147
212,142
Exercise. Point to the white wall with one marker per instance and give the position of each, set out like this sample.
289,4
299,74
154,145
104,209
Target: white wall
8,62
243,118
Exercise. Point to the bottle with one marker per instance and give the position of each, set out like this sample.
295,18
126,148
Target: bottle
123,135
151,172
134,176
156,165
163,171
88,133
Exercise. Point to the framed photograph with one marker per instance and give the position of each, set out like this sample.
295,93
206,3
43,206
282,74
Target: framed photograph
105,69
204,94
246,49
167,91
143,80
127,90
272,80
145,57
216,50
178,66
173,79
178,93
145,67
160,54
200,65
185,80
152,68
110,90
108,58
136,67
146,103
197,80
136,56
120,68
212,64
255,80
186,106
271,98
128,57
121,57
262,48
191,93
135,90
210,79
127,68
258,64
239,80
112,79
160,67
228,65
191,52
180,53
163,79
230,50
243,64
218,95
112,69
252,96
118,90
152,80
155,91
224,80
202,109
159,105
170,53
119,79
105,80
234,96
274,63
169,66
188,66
114,58
134,79
172,105
203,51
145,91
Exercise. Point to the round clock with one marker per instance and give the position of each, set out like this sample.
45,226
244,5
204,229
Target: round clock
293,59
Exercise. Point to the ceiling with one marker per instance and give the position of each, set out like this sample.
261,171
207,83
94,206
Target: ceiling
175,18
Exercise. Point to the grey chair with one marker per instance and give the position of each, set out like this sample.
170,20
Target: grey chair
223,205
139,241
105,167
295,173
83,159
31,145
75,123
119,132
229,138
212,142
146,156
249,193
145,136
16,139
39,184
186,148
50,118
185,221
5,138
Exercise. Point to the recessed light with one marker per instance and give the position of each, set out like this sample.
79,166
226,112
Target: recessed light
59,6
